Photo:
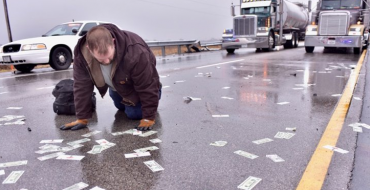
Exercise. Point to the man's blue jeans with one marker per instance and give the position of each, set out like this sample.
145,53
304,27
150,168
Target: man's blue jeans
132,112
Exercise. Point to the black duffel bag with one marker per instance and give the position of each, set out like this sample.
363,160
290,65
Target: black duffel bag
64,99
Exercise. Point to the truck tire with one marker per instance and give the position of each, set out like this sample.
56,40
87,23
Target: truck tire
271,43
61,58
296,40
357,50
230,50
309,49
26,68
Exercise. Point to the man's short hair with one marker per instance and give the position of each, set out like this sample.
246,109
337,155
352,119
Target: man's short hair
99,39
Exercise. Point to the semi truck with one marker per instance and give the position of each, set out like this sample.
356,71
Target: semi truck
264,24
339,23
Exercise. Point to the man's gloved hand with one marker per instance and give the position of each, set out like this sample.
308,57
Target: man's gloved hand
145,125
76,125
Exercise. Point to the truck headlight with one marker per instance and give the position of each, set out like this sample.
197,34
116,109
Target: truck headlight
311,30
1,49
27,47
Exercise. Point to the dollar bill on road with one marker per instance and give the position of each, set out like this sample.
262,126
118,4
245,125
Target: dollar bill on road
78,141
218,143
275,158
131,131
50,156
147,134
284,135
154,166
48,146
137,132
220,116
96,149
97,188
91,133
2,172
77,186
357,129
151,148
10,164
70,157
138,154
336,149
283,103
13,177
262,141
52,141
291,129
155,141
249,183
14,108
246,154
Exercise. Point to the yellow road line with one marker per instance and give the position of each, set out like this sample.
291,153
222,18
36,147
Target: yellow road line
316,170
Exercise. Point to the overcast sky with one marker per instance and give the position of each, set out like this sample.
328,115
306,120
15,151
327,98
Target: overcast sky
151,19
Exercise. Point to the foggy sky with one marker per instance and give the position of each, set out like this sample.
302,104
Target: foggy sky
151,19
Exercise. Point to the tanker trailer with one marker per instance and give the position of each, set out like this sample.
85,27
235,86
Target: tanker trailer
259,27
339,23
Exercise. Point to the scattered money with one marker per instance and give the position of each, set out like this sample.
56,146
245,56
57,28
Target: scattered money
283,103
77,186
155,141
154,166
163,76
2,172
357,98
97,188
78,141
266,80
336,95
91,134
131,131
298,88
249,183
179,81
137,132
14,108
226,87
70,157
151,148
147,134
52,141
137,154
50,156
284,135
48,146
357,129
163,87
13,177
218,143
220,115
228,98
275,158
96,149
10,164
333,148
291,129
262,141
246,154
11,117
18,122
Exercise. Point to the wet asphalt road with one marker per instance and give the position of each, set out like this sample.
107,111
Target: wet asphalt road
257,81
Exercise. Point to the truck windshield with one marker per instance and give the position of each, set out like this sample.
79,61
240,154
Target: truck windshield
340,4
256,10
64,29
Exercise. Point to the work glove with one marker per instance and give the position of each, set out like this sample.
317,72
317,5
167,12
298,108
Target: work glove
145,125
76,125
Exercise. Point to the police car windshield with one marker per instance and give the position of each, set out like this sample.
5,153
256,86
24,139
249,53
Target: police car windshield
340,4
64,29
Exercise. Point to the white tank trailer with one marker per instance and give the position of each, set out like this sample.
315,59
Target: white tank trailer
339,23
258,25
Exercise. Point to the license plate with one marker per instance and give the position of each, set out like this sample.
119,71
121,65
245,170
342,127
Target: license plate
7,59
331,41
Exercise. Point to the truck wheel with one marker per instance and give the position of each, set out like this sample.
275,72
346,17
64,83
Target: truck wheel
296,40
271,43
26,68
309,49
60,58
230,50
357,50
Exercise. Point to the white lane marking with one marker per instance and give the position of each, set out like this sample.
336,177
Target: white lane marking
3,92
45,87
219,64
35,74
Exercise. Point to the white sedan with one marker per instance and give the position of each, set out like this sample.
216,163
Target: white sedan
55,47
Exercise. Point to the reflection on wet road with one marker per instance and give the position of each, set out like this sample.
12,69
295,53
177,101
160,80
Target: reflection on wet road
262,94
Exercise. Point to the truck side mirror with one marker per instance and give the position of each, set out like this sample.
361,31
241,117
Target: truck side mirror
232,10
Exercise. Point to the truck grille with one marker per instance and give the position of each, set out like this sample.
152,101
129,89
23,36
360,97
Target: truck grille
245,26
333,24
11,48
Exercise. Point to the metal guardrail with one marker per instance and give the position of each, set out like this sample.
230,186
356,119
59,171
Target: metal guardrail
178,43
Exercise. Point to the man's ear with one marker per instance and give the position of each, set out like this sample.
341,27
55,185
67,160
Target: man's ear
113,40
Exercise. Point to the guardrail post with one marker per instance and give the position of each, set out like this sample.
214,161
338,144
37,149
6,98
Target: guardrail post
179,49
163,51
